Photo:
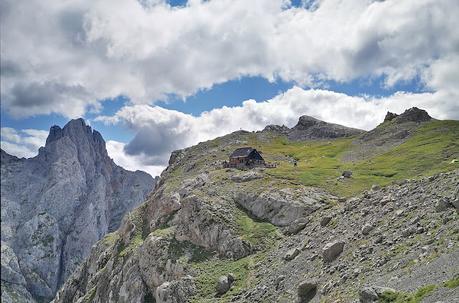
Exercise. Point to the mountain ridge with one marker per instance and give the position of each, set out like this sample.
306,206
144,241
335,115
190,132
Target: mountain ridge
57,204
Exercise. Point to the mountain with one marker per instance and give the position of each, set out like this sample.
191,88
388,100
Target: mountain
299,232
310,128
56,205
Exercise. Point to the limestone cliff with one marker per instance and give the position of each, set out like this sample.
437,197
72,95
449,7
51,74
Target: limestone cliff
56,205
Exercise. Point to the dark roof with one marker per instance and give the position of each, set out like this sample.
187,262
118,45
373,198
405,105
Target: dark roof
242,152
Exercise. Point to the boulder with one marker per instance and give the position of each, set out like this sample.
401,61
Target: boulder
224,284
442,205
346,174
409,231
325,220
372,294
307,291
368,295
332,250
455,203
291,254
177,291
375,187
366,229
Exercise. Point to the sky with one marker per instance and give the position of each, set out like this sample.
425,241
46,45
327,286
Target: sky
154,76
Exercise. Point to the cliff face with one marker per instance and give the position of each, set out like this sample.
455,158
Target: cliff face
294,233
56,205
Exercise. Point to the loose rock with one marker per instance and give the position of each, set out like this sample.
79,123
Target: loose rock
332,250
307,291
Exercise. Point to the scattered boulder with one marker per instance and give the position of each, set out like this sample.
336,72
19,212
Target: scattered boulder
372,294
332,250
442,205
296,226
346,174
307,291
455,203
366,229
175,291
224,284
325,220
368,295
409,231
291,254
375,187
279,281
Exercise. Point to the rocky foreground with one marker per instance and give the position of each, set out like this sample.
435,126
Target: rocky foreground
208,234
56,205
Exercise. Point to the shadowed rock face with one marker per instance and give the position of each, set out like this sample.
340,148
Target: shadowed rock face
413,114
56,205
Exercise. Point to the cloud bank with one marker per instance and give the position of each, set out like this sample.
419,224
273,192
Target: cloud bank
22,143
66,56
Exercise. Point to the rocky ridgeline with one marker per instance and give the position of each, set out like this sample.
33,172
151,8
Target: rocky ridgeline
208,234
309,128
56,205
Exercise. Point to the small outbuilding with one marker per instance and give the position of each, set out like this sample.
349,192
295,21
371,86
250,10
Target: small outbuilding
246,157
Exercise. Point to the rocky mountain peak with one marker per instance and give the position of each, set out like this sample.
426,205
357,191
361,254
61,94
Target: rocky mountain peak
79,137
413,114
78,131
311,128
56,205
390,116
307,121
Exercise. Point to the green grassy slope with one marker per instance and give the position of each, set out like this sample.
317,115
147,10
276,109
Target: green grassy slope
433,148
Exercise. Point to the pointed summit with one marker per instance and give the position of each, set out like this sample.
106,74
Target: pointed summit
74,128
82,135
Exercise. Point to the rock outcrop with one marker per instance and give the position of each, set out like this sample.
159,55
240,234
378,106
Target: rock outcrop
394,131
56,205
311,128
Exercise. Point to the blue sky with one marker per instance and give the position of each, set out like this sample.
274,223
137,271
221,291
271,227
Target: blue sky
231,93
155,75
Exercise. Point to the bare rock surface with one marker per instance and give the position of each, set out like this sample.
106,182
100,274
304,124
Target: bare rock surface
56,205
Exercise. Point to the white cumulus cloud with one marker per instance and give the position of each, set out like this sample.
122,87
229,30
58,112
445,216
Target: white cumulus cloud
66,56
22,143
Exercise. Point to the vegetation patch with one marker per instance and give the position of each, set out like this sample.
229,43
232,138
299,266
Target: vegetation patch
194,253
402,297
90,295
208,272
453,283
139,233
258,233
